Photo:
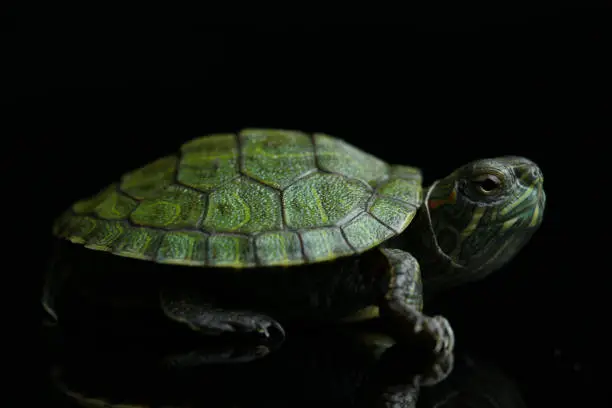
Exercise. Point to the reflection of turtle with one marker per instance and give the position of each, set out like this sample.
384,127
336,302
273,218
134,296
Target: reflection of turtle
340,368
268,226
475,384
316,368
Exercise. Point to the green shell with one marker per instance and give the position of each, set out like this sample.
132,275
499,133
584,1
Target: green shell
261,197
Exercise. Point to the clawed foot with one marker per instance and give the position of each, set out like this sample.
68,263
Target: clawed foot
187,307
439,329
436,328
438,334
241,322
438,371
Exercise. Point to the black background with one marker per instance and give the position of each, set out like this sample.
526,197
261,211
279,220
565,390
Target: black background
82,110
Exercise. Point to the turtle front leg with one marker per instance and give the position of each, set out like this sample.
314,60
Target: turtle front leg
403,304
189,307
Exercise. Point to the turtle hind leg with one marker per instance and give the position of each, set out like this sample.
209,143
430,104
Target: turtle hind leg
198,313
55,279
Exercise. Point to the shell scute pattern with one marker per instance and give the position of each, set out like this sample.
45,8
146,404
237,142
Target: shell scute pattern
108,204
231,250
208,162
260,197
279,248
325,243
393,214
364,231
150,180
276,158
337,156
182,247
140,243
322,199
176,207
403,184
105,235
74,227
243,206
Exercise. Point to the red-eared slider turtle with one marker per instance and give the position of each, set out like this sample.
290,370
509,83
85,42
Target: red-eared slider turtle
268,226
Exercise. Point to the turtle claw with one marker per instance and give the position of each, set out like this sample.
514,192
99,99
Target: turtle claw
253,323
440,330
222,321
438,371
272,324
187,308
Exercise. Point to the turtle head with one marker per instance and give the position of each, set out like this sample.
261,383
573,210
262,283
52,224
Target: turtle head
483,213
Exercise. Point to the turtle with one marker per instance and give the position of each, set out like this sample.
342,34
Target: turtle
248,231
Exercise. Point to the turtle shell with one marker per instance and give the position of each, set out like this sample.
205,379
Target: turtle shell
261,197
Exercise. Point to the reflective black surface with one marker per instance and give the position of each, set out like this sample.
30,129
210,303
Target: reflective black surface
347,367
79,113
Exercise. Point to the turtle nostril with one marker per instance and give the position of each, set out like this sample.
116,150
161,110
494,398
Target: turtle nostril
534,174
529,173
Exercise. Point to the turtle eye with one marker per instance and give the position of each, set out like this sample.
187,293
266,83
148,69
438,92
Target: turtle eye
487,184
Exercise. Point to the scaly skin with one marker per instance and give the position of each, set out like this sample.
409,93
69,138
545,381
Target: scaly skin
267,199
462,234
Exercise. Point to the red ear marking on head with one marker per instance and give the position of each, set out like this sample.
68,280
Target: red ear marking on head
448,200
